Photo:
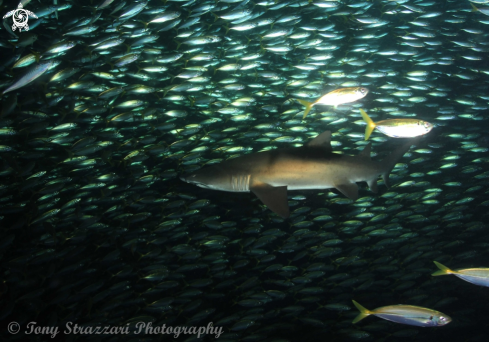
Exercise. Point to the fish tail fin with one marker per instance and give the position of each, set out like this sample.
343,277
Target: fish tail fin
308,106
474,9
443,270
37,55
392,159
370,124
363,312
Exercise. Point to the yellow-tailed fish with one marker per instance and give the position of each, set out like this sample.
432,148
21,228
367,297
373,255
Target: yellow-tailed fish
483,10
336,98
477,276
405,314
397,128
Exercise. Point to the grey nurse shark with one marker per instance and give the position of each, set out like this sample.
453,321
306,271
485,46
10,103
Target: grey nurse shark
271,173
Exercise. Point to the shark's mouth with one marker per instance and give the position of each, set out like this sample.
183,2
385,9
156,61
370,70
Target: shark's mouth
189,179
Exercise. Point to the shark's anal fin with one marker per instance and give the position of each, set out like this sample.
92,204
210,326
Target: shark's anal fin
350,190
275,198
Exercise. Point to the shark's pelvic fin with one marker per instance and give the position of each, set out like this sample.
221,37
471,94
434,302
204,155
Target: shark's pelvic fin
275,198
372,184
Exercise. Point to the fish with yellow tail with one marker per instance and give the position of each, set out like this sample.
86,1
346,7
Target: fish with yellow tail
336,98
477,276
397,128
483,10
405,314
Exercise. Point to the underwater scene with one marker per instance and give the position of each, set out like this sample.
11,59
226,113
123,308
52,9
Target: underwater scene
244,170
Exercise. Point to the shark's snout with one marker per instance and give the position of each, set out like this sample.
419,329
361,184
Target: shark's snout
188,178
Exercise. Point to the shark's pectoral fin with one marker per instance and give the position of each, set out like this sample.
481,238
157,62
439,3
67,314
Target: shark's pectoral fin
275,198
372,184
350,190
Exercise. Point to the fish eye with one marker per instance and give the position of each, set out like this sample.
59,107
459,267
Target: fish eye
363,90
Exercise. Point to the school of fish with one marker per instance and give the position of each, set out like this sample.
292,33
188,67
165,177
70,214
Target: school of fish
119,120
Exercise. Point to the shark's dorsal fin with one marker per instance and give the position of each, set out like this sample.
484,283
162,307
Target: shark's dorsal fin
322,140
366,151
275,198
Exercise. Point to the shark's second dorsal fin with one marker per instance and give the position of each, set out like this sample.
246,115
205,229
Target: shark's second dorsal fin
322,140
366,151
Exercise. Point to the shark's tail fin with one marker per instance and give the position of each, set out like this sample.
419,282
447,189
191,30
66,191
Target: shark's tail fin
308,106
392,159
363,312
443,270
